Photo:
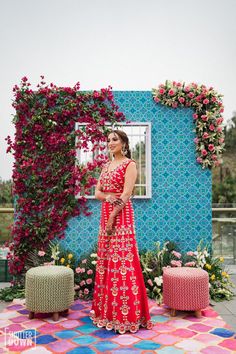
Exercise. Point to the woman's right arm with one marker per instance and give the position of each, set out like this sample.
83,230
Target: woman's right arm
98,191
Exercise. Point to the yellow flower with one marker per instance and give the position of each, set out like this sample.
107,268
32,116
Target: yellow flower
221,259
70,255
68,266
208,266
225,274
213,277
62,260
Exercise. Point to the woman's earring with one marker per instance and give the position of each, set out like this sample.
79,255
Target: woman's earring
123,151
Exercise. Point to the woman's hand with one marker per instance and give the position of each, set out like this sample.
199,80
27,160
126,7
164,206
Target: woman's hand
109,226
114,200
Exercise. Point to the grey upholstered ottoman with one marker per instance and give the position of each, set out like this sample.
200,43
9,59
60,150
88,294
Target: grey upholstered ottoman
49,289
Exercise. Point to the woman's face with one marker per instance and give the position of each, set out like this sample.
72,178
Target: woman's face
114,143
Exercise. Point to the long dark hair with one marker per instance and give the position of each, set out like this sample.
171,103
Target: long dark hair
125,140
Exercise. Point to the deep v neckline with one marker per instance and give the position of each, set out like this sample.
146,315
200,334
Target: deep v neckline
116,166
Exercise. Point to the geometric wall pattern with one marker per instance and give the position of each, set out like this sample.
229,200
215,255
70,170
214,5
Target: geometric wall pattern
180,207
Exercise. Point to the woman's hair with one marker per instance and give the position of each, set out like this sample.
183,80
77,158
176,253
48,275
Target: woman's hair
125,140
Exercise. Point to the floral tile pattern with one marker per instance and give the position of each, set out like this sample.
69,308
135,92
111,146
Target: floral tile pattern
76,334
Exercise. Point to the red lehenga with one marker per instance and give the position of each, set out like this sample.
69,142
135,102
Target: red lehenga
120,300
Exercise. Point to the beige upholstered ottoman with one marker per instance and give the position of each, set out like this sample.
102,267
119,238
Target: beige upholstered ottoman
49,289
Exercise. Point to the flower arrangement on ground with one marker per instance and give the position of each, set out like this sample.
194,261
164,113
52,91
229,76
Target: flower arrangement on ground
169,256
208,109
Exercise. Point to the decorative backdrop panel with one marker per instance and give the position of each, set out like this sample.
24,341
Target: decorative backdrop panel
180,207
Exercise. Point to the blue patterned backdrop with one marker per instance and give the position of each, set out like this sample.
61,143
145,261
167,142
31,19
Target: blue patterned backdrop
180,207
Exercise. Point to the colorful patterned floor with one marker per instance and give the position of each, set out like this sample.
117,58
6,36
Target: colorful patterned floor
75,333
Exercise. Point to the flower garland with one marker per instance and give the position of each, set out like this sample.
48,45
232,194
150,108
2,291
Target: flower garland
46,174
208,107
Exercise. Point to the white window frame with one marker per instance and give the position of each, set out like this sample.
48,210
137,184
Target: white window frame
148,156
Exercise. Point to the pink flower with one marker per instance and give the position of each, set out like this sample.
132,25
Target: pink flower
41,253
204,152
176,254
205,135
204,117
206,101
219,129
211,147
86,291
90,271
214,157
176,263
190,253
213,99
84,260
82,270
181,100
195,116
217,163
222,110
78,270
190,264
187,89
156,99
174,104
212,127
89,281
171,92
150,282
219,120
82,283
190,94
196,140
199,159
161,91
221,140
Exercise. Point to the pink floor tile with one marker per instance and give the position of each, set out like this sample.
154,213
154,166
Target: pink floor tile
144,334
13,327
184,333
50,328
200,327
70,324
207,338
209,313
19,319
61,346
166,339
125,339
229,344
214,350
215,322
34,323
163,327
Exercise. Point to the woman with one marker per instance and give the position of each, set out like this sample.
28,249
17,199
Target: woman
120,299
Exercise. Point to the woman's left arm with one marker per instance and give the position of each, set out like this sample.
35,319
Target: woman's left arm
130,179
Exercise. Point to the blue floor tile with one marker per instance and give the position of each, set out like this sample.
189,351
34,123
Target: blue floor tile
82,340
104,333
67,334
81,350
105,345
45,339
223,332
147,345
88,328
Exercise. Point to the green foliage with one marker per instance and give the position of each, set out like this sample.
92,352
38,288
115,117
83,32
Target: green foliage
6,197
12,292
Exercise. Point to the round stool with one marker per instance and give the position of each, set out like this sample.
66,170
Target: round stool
49,289
185,289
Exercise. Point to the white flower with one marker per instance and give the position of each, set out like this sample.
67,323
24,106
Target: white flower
158,280
93,255
94,262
